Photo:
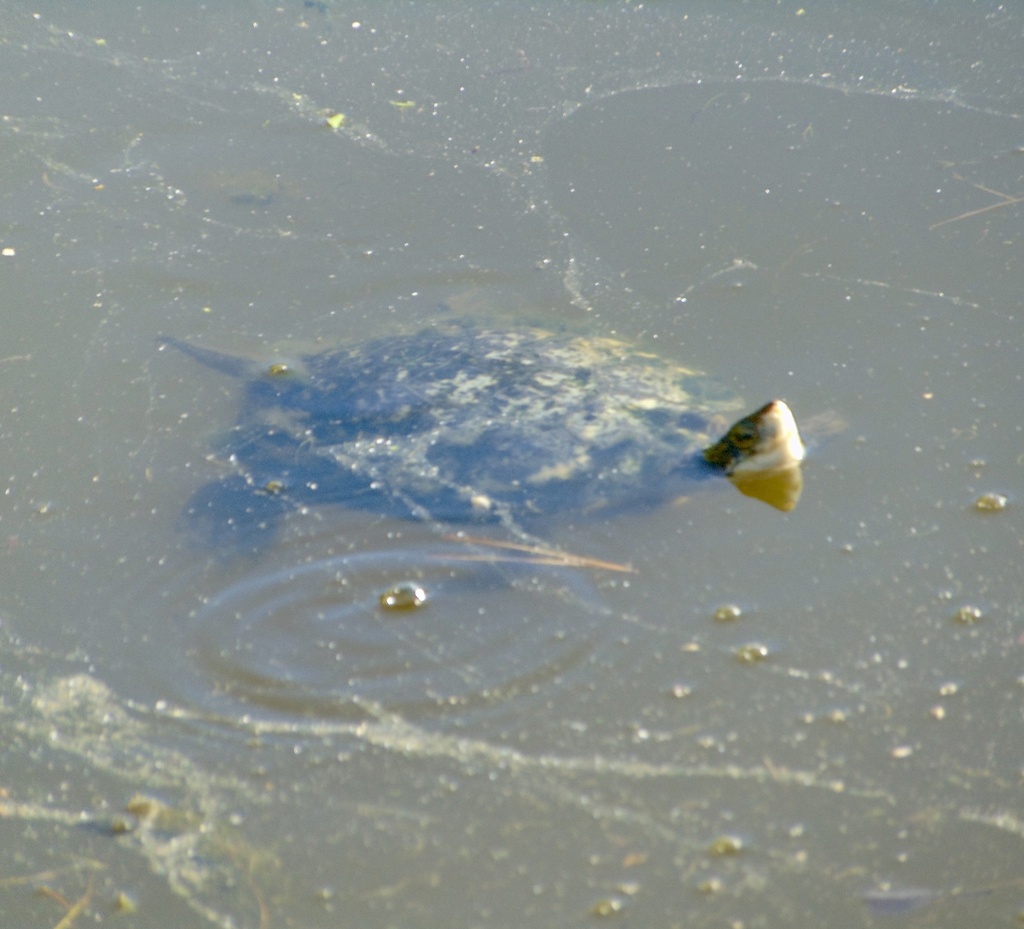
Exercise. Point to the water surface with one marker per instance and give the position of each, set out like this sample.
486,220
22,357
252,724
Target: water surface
819,203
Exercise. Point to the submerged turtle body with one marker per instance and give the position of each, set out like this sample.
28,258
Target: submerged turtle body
458,423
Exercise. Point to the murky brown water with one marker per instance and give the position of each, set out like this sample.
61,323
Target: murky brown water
820,204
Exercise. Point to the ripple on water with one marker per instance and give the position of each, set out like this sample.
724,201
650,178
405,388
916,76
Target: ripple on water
319,639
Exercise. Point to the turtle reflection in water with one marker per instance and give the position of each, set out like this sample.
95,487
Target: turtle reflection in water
460,423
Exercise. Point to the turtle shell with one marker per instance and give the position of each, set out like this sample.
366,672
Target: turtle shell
459,422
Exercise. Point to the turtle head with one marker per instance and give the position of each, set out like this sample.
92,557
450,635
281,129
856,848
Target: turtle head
765,442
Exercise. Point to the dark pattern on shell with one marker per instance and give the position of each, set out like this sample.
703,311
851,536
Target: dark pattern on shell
457,423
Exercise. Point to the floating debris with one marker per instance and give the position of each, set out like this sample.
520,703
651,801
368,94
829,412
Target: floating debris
724,846
990,503
403,596
611,906
727,613
968,615
751,653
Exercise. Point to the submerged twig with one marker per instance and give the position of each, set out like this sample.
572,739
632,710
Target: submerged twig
1007,200
76,910
538,555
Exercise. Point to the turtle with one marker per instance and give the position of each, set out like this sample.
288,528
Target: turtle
463,422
